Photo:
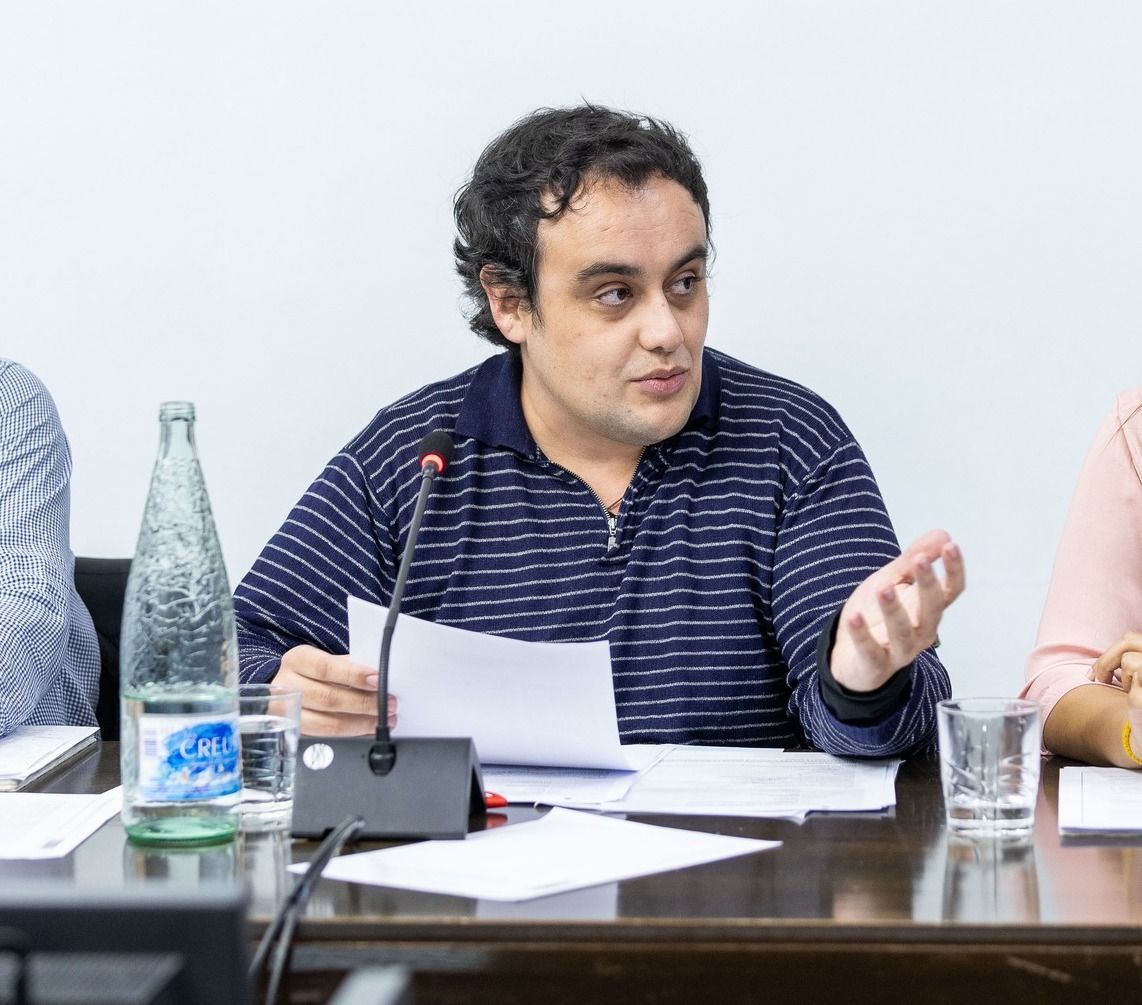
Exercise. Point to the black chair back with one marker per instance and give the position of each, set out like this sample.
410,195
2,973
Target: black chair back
101,584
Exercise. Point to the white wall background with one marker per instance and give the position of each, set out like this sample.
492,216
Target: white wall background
927,212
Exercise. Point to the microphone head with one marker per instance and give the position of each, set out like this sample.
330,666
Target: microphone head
436,450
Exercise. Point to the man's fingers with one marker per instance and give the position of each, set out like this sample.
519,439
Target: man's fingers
955,576
325,724
315,723
931,595
896,611
338,696
897,624
308,661
929,546
337,721
346,700
867,648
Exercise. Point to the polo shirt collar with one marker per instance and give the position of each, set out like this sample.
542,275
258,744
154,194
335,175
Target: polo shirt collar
705,412
491,412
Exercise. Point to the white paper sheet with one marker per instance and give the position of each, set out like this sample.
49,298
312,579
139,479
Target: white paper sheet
538,703
755,782
1099,800
556,786
592,903
562,851
27,750
47,825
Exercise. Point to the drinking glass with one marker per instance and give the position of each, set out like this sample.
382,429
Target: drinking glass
989,764
269,721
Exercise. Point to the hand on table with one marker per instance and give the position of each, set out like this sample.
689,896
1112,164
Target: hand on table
895,613
1122,664
338,696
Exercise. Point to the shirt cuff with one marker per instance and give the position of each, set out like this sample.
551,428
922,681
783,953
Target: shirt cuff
258,667
857,708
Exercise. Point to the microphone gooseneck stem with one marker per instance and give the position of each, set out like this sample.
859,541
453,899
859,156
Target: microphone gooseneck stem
382,756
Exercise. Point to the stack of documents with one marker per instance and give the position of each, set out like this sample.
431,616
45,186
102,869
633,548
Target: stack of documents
1100,801
42,826
731,781
30,752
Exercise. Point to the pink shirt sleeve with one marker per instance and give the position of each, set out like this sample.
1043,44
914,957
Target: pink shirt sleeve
1096,586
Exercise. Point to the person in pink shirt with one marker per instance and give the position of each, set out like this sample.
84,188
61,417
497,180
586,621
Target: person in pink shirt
1086,667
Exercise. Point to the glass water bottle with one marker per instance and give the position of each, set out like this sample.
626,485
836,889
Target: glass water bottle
178,674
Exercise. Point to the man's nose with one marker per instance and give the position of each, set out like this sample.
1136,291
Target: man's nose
660,329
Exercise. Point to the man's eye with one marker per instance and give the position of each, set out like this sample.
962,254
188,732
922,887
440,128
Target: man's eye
687,284
615,297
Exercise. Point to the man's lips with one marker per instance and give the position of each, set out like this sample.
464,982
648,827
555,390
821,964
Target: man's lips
662,382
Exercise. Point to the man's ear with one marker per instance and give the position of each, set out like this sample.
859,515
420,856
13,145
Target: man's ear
507,304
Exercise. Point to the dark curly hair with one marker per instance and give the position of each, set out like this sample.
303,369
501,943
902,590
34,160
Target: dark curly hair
543,161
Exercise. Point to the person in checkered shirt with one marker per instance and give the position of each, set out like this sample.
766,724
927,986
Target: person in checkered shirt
49,655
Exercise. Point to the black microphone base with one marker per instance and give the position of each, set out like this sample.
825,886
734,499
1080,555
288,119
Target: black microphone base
434,789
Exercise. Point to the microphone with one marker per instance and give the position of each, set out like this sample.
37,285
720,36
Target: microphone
435,453
411,787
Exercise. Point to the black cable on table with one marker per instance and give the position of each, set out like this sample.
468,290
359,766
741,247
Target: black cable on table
289,913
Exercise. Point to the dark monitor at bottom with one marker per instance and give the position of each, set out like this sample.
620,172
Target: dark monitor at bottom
139,945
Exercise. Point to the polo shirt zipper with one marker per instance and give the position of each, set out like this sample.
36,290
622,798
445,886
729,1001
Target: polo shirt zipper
612,518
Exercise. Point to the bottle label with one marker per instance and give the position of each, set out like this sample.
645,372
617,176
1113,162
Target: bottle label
183,757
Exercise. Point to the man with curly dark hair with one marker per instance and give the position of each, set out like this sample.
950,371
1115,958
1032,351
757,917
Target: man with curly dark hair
616,479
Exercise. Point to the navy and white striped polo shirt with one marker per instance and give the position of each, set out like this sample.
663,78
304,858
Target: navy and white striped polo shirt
737,539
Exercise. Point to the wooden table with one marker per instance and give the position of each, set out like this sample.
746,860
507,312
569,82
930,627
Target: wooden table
851,909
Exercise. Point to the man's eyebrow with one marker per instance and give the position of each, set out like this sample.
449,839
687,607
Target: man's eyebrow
699,251
607,269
